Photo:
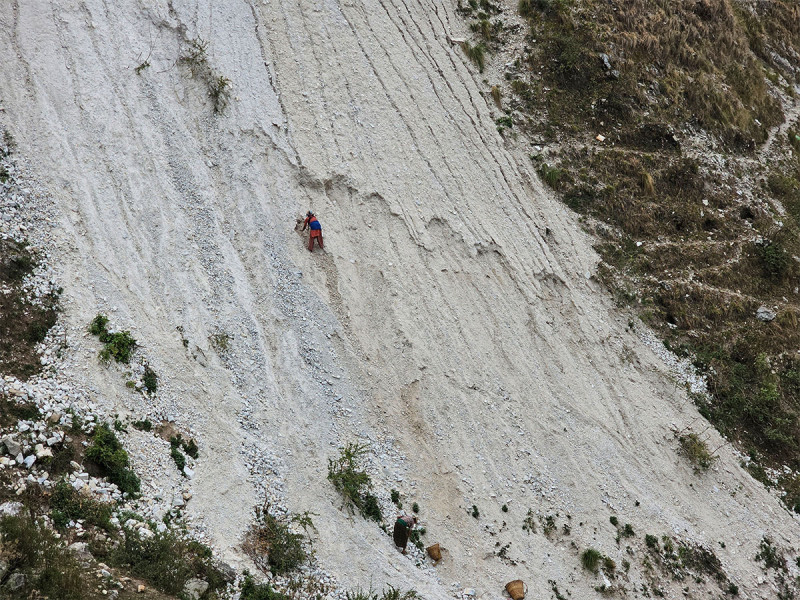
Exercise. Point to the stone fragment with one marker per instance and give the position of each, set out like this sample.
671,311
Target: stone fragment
195,588
29,460
765,314
13,447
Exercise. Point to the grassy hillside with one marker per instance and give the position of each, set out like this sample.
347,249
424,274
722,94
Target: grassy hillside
694,192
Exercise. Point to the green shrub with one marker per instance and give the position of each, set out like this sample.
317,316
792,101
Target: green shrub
775,259
273,538
107,453
166,561
651,541
258,591
51,571
191,449
99,326
118,346
696,451
395,495
590,559
350,480
143,425
150,380
178,457
614,521
67,504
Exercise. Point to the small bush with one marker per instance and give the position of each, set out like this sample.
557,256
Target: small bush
475,512
67,504
770,555
258,591
272,537
696,451
590,559
415,507
191,449
775,260
107,453
651,541
614,521
220,341
150,380
99,325
395,495
350,480
504,508
143,425
178,457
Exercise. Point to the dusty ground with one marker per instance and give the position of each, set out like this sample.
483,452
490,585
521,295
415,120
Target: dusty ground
453,321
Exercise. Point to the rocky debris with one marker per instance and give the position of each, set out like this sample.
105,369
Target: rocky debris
765,314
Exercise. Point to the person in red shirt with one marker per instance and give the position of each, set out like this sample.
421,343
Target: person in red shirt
315,231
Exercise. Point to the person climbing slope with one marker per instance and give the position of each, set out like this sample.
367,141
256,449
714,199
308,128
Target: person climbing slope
315,231
402,530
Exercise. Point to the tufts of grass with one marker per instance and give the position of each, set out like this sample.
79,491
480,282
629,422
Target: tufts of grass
590,559
351,481
552,176
696,450
476,54
107,453
195,57
497,96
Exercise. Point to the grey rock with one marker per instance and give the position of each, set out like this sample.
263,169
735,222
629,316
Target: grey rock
15,582
12,445
195,588
765,314
81,551
29,460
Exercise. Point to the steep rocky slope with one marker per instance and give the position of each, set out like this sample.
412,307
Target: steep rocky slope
454,322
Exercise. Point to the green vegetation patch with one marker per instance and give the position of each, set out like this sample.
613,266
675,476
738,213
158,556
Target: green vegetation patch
24,321
352,482
49,569
119,345
107,453
167,561
68,504
273,545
